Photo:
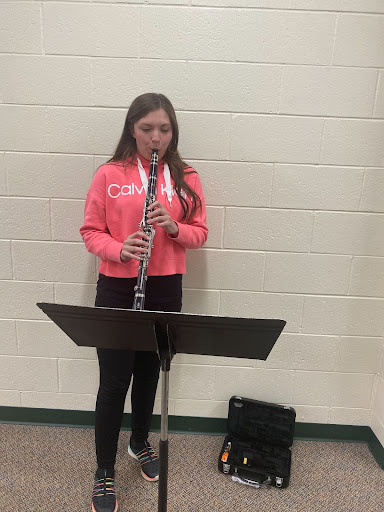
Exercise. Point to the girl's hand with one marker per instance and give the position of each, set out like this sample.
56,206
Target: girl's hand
134,246
159,215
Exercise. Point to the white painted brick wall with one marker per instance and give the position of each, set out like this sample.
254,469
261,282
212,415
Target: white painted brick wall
272,230
75,293
191,34
311,187
268,385
210,269
281,110
326,91
379,107
377,406
48,175
274,36
46,80
65,214
342,315
200,129
29,373
201,301
3,182
45,339
59,260
275,138
367,276
8,337
215,219
264,305
18,299
373,6
348,233
78,376
353,142
354,41
373,185
333,389
25,219
20,27
5,260
307,273
251,187
112,82
86,29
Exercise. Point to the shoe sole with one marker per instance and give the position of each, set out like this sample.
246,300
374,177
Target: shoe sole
115,510
146,477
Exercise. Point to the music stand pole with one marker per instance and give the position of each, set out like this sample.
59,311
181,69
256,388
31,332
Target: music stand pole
163,446
164,340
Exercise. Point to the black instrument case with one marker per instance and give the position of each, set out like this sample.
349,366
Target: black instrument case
256,450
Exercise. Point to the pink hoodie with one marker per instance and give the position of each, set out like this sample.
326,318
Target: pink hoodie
114,209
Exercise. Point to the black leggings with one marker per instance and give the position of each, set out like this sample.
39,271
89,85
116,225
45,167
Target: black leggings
163,293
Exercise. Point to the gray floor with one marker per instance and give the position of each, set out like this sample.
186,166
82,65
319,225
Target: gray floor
51,469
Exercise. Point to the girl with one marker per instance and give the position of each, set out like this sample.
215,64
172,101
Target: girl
113,210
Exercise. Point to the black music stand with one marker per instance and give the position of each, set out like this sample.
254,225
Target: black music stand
166,334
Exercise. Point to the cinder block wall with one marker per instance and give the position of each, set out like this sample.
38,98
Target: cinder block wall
281,109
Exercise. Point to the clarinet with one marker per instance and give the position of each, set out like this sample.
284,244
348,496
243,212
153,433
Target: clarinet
139,299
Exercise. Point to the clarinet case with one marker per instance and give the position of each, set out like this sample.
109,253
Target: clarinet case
256,450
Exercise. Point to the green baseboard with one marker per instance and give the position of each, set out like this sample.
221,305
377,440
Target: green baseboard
193,425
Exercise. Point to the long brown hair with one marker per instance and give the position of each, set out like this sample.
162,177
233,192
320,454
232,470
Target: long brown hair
126,148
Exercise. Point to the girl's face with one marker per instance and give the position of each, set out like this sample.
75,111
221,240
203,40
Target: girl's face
153,131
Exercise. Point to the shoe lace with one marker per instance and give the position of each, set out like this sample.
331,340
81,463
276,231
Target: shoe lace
146,455
103,487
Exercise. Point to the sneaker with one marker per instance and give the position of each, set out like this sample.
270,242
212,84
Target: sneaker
103,495
148,459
